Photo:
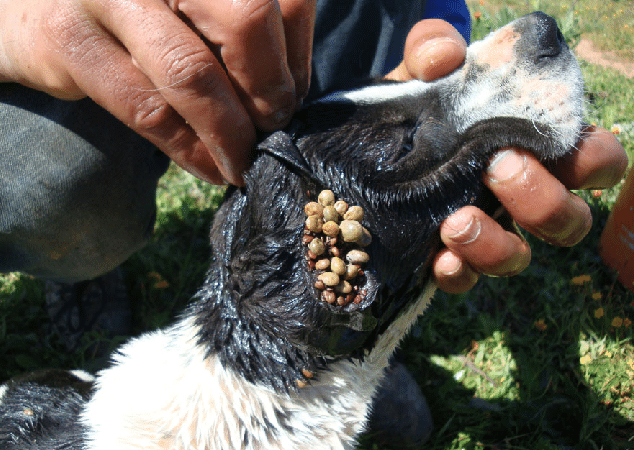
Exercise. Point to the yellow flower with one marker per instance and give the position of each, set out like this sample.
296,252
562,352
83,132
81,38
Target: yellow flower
598,313
627,322
540,325
597,295
581,280
585,359
159,282
161,285
617,322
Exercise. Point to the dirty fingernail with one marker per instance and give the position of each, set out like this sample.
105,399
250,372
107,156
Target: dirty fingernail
282,116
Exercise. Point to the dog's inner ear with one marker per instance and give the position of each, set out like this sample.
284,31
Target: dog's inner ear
281,145
425,147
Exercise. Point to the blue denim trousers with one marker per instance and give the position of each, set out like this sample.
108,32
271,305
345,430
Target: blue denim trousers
77,187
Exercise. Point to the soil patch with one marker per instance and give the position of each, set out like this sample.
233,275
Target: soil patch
588,52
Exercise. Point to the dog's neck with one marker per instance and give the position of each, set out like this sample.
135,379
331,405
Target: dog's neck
193,398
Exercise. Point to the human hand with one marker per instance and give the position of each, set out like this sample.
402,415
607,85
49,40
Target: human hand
537,200
194,77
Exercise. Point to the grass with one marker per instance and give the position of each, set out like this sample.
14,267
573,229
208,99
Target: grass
540,361
608,24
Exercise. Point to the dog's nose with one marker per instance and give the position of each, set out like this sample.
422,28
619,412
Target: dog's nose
549,37
542,36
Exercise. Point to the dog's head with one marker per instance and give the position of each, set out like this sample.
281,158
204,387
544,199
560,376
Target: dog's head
409,154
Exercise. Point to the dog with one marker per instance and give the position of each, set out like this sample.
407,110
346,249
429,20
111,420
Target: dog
259,360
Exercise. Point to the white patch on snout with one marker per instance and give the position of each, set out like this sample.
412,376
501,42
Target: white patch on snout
550,95
497,49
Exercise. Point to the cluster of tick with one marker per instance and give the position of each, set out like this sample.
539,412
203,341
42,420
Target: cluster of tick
335,239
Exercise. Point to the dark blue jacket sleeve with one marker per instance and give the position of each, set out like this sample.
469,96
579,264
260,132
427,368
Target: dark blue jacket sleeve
453,11
356,40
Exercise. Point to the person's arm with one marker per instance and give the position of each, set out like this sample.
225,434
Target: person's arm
194,77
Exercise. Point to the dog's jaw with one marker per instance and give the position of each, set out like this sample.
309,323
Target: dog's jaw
523,70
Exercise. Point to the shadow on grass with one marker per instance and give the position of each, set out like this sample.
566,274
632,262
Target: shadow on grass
525,363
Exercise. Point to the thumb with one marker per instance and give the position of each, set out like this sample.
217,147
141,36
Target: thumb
434,48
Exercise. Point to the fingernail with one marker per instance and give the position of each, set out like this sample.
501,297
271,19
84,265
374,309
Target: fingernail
282,116
449,265
566,230
464,233
506,165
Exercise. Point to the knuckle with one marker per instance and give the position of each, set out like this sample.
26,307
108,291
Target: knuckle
60,26
554,206
73,32
188,68
254,11
150,115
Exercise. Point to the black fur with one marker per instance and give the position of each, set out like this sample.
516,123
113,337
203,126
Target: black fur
406,166
40,412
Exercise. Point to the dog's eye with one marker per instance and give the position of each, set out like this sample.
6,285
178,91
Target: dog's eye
424,146
406,146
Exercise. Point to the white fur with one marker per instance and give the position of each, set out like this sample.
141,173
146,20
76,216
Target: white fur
553,96
83,375
3,390
162,393
379,93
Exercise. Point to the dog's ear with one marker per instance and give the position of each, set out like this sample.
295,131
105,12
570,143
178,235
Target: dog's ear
281,146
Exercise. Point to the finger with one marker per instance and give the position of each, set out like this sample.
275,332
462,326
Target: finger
299,26
452,274
183,100
433,48
251,42
130,97
599,161
483,244
539,202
